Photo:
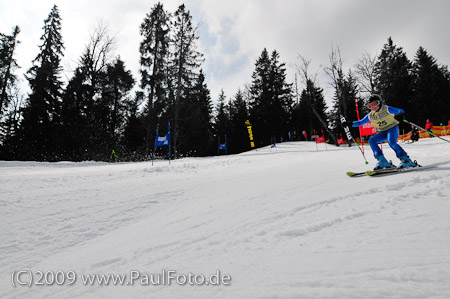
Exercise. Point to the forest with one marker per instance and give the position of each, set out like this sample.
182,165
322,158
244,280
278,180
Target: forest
103,107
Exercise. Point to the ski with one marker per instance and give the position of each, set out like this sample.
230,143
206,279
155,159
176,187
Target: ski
387,171
397,170
354,174
364,173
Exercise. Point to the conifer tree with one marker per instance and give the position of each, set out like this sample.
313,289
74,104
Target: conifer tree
185,61
282,98
271,102
346,94
115,98
312,97
393,79
431,90
261,99
41,116
238,135
154,49
222,118
195,115
75,115
134,131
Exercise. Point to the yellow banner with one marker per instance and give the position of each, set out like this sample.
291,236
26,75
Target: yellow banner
437,130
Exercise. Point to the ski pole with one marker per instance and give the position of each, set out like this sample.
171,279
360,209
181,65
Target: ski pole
429,132
350,137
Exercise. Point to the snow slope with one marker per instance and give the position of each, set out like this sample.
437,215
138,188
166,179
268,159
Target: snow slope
282,223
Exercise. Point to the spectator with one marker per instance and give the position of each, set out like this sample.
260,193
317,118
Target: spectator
429,127
414,134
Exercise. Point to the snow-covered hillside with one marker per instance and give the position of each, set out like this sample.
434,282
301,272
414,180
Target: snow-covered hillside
275,223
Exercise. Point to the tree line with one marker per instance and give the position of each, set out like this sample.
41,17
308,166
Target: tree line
103,107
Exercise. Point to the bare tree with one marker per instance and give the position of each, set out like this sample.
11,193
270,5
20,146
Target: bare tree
335,70
8,79
336,73
97,54
308,81
10,121
365,70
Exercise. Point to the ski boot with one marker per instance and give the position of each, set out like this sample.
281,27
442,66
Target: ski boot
406,162
382,163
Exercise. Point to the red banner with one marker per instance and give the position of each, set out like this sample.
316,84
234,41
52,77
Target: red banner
320,139
367,129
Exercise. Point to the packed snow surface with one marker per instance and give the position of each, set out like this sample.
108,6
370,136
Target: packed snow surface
282,222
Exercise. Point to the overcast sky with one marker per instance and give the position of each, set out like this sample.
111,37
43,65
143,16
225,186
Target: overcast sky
233,33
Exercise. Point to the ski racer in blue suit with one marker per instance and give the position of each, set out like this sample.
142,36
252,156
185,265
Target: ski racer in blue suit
385,119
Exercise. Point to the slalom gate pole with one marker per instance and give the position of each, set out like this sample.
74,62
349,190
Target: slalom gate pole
423,129
360,150
350,137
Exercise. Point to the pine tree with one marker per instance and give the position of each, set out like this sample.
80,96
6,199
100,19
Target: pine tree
134,132
238,135
271,103
41,116
393,79
154,49
222,118
184,62
282,101
115,98
76,115
195,115
346,94
431,90
313,100
261,99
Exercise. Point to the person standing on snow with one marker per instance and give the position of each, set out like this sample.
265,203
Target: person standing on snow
414,134
429,127
385,119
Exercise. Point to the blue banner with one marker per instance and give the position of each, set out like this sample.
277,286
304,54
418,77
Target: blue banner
162,140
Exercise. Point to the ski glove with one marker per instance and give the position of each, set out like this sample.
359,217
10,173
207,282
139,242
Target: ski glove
400,117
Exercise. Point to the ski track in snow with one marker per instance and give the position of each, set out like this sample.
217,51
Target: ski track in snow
284,223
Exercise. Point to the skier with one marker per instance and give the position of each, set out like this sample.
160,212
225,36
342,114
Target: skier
385,119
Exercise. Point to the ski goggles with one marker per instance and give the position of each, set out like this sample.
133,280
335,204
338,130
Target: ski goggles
373,104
